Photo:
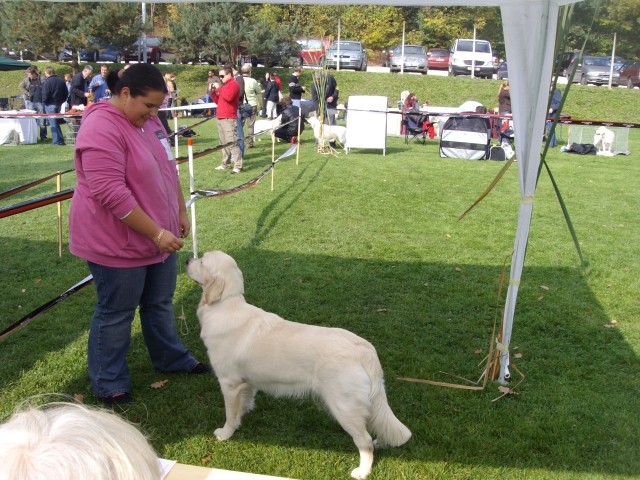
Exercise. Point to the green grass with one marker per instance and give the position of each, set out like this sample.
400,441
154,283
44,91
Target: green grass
372,243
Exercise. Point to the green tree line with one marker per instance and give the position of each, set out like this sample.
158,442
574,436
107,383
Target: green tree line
213,31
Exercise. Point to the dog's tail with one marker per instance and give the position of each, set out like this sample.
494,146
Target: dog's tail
390,431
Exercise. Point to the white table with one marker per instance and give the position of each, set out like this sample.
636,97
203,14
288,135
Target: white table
25,127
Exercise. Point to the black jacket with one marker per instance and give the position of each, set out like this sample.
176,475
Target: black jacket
79,85
295,89
331,90
54,91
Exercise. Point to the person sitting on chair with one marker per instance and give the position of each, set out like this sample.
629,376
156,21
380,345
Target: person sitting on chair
289,121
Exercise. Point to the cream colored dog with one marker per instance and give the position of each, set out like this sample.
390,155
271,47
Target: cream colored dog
252,350
265,125
603,140
328,133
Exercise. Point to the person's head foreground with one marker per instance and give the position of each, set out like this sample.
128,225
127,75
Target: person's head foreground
73,442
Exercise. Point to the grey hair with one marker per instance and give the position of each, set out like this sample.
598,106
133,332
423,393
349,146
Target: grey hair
246,68
74,442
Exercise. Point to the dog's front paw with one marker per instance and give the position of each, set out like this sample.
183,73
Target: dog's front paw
360,473
223,433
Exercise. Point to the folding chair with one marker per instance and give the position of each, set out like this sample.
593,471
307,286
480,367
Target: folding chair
416,127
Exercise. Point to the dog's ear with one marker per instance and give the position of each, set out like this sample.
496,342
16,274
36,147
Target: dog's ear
212,290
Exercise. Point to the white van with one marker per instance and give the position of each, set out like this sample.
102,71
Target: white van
465,56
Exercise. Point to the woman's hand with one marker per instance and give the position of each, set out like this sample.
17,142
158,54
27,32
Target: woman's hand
184,224
168,242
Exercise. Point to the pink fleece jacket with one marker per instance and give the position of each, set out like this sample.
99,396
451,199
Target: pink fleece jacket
120,166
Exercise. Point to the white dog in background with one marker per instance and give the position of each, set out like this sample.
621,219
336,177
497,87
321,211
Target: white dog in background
252,350
603,140
264,125
329,133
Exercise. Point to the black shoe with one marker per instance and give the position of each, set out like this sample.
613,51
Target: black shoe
116,399
200,369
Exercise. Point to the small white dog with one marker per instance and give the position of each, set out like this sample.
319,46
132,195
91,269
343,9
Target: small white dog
603,140
330,133
265,125
252,350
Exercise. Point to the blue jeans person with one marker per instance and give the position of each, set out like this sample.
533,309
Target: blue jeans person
120,292
56,132
40,121
240,134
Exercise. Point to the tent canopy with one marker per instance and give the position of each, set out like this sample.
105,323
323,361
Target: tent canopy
7,64
530,34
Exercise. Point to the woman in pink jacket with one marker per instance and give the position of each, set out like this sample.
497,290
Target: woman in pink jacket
127,221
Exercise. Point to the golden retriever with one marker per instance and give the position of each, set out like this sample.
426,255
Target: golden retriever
252,350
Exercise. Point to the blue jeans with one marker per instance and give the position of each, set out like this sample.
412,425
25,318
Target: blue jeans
120,292
56,132
240,134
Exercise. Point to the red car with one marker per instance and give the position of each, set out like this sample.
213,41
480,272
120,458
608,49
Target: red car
312,50
438,58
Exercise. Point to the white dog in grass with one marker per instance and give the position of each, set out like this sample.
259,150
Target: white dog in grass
252,350
603,140
265,125
329,133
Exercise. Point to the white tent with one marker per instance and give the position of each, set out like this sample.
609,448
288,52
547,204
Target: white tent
530,34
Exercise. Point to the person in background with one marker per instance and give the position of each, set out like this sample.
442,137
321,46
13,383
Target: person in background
98,85
270,95
127,220
237,76
72,441
169,102
289,129
173,90
327,83
54,94
251,93
67,80
295,89
212,79
504,98
31,88
556,100
411,103
226,95
80,92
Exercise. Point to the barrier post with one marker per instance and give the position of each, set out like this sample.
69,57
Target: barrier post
59,211
194,236
273,158
175,129
299,123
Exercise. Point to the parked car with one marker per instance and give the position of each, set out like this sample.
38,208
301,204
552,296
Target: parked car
415,59
135,54
594,70
20,55
312,50
502,72
347,54
438,58
566,60
283,55
630,74
103,53
468,54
